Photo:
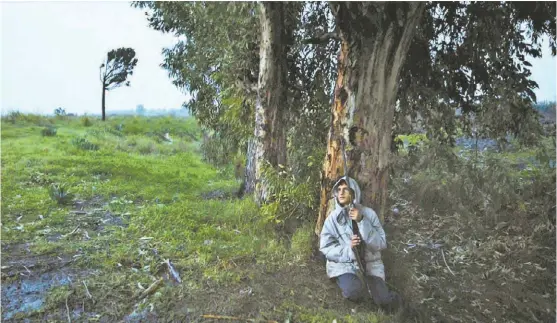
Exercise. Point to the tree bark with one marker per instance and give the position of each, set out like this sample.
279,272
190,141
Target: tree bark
103,100
248,186
270,136
375,41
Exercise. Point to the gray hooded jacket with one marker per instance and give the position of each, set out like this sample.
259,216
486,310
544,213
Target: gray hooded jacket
336,237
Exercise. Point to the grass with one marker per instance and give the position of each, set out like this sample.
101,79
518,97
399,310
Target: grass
155,188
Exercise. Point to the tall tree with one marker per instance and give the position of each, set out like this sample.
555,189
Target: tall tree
217,61
430,58
270,108
115,70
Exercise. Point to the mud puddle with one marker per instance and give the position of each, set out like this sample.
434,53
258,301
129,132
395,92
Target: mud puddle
28,294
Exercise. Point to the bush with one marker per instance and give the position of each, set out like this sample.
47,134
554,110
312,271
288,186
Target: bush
290,197
48,131
86,121
83,143
146,146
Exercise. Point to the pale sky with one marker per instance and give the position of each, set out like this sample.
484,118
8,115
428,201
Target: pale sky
51,52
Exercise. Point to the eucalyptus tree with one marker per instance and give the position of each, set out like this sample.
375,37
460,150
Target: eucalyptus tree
426,57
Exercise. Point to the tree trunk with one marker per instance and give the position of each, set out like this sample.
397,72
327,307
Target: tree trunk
248,186
270,136
375,41
103,100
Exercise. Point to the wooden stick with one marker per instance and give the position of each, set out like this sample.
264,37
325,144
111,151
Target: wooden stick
235,318
151,289
87,290
443,254
68,310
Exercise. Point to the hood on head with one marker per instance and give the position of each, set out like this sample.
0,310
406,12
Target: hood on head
352,184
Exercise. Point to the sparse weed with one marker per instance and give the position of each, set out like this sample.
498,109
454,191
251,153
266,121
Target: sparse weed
60,193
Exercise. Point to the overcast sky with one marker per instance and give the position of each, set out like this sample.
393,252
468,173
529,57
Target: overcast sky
51,52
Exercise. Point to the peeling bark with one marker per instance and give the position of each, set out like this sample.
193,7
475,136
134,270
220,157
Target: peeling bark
373,51
248,185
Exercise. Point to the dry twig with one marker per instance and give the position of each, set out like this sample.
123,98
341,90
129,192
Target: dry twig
443,254
87,291
68,310
151,289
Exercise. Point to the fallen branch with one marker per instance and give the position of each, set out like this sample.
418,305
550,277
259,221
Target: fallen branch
235,318
151,289
78,212
68,310
443,254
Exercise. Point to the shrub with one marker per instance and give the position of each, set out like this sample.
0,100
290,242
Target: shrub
86,121
290,197
146,146
83,143
48,131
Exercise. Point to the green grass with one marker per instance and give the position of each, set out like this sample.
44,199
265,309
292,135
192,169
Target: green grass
155,186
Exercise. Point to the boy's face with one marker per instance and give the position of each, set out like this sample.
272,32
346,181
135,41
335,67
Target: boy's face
343,193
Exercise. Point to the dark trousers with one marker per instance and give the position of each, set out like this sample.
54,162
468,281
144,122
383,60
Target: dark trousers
353,289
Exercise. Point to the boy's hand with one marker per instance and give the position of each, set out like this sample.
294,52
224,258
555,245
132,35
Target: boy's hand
355,214
355,241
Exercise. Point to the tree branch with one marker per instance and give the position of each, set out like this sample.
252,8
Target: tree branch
321,39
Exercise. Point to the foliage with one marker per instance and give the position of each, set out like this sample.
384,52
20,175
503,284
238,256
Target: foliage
473,57
86,121
222,73
118,66
60,112
48,131
83,143
290,196
221,48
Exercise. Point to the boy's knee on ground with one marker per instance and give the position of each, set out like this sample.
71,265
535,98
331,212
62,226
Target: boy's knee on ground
351,286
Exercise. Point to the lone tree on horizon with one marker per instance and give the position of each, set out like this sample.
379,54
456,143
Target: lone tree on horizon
114,72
